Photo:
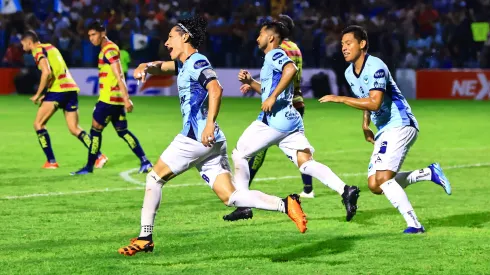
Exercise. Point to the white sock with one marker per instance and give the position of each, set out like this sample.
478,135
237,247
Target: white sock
151,202
407,178
324,174
398,198
242,171
256,199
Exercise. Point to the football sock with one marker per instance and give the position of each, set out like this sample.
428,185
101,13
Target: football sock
307,183
324,174
255,163
151,203
45,143
85,139
256,199
94,147
242,171
398,198
407,178
133,143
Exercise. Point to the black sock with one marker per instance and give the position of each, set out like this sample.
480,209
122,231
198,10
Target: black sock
86,140
255,163
307,183
45,142
147,238
133,143
94,148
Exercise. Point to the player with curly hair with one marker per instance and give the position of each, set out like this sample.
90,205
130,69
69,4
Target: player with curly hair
200,99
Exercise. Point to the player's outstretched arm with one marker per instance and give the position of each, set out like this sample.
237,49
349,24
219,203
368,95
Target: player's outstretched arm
43,83
215,91
154,68
368,133
370,103
117,70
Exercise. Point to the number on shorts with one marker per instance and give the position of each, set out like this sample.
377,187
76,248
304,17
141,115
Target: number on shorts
204,177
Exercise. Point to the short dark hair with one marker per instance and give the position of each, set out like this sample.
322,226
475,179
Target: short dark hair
359,34
31,35
96,26
277,27
288,22
195,27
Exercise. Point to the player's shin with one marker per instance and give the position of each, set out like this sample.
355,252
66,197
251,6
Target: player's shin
324,174
407,178
256,199
242,170
398,198
95,144
133,143
151,203
45,142
84,138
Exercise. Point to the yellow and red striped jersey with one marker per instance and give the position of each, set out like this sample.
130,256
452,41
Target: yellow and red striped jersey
293,52
109,91
60,79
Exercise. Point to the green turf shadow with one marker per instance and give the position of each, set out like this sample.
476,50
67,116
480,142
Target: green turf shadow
472,220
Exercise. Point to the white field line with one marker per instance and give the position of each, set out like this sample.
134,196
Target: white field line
126,176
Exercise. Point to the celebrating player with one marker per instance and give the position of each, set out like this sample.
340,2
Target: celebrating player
279,123
113,101
62,92
382,102
293,52
201,143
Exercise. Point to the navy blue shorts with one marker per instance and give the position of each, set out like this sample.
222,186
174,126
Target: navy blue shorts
105,113
68,101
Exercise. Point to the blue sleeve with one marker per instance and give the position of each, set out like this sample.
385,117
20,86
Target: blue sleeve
278,59
378,77
202,72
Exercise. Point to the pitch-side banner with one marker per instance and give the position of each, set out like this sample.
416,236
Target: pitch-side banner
87,80
453,84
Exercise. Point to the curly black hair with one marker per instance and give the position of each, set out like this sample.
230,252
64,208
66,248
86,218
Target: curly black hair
277,27
286,20
195,27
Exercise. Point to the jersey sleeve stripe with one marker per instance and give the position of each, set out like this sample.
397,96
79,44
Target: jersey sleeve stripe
110,49
68,85
293,53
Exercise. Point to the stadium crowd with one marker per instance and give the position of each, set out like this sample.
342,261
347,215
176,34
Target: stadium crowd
405,33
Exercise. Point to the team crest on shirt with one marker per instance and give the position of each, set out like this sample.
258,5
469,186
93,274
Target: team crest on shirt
379,73
201,63
276,56
366,79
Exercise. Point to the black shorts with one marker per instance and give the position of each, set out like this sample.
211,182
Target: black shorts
105,113
68,101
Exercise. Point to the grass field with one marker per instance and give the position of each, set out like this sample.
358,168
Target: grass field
53,223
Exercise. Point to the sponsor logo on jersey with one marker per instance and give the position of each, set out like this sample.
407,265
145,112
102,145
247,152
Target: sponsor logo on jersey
276,56
379,73
379,85
201,63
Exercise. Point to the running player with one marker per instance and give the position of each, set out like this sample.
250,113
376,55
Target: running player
113,101
382,102
62,92
293,52
279,123
201,143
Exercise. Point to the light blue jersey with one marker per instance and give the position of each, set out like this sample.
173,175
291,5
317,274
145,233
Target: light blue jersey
193,76
283,117
394,110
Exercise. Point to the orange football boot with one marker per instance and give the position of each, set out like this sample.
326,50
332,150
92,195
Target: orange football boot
50,165
101,161
136,246
295,212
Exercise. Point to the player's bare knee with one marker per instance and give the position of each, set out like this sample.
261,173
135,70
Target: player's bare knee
153,180
303,156
374,186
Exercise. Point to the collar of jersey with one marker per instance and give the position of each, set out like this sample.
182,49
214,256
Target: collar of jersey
362,68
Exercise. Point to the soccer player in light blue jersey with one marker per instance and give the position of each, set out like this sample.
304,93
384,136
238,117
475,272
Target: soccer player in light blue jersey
201,143
382,102
280,123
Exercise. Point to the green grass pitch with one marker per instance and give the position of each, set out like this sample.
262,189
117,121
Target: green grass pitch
53,223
